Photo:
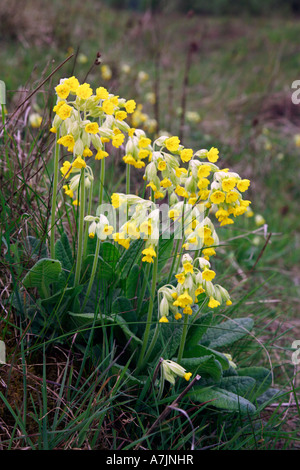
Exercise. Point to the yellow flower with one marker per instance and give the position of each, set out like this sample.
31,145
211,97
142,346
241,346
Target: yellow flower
108,230
179,171
163,319
180,278
131,131
186,155
143,154
228,184
125,242
199,291
100,155
208,274
207,252
213,303
158,195
172,143
162,166
165,183
226,221
63,90
232,196
146,227
144,142
116,200
118,140
152,186
67,141
73,84
181,191
53,129
84,91
87,152
64,111
92,128
78,163
187,310
106,72
212,155
217,197
130,106
108,107
203,183
187,376
121,115
177,316
148,253
243,185
188,267
102,93
203,171
183,300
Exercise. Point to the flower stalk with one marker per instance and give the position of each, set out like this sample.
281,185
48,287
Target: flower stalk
80,229
54,198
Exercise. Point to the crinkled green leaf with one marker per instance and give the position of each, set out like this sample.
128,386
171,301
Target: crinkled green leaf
205,366
42,274
227,332
239,385
222,399
200,351
198,328
262,376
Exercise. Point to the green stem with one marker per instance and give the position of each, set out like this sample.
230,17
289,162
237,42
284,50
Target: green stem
183,338
94,268
128,179
54,197
150,311
143,289
89,211
5,142
102,176
174,260
80,230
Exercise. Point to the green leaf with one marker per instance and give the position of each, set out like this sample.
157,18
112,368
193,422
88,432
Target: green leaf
239,385
42,274
35,248
132,282
104,270
63,252
123,307
168,339
262,376
109,253
165,249
129,258
200,351
205,366
198,328
222,399
227,332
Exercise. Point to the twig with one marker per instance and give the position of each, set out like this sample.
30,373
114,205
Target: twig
36,89
168,409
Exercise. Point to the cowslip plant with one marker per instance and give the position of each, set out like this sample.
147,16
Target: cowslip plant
142,269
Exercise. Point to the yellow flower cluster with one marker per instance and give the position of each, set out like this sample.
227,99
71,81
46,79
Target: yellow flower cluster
87,120
143,223
192,282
